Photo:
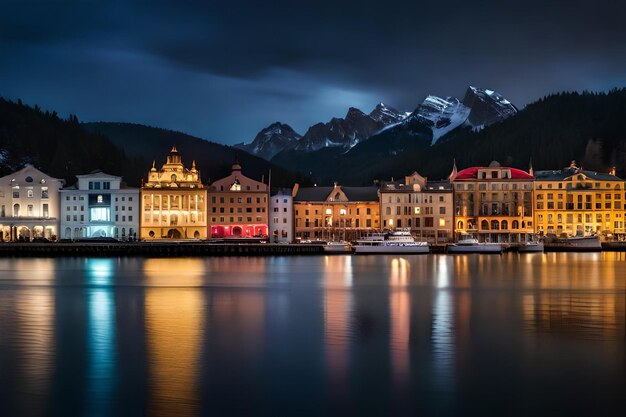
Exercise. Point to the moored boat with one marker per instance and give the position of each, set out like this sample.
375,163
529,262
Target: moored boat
574,244
531,246
471,245
399,241
337,247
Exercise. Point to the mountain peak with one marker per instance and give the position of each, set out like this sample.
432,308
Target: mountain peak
488,106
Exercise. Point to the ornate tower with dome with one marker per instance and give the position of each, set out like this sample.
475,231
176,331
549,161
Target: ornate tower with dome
173,201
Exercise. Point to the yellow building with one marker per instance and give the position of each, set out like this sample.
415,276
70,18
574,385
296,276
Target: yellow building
576,202
335,213
423,206
238,206
173,202
493,204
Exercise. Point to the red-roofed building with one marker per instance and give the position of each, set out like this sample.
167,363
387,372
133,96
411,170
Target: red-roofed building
493,204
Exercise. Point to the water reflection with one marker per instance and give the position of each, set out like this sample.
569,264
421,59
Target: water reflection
174,327
400,314
335,335
338,278
33,323
101,337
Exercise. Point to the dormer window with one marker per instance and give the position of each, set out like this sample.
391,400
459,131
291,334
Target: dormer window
494,174
173,177
236,186
28,179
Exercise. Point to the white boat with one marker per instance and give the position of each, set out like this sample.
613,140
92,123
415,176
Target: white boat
398,241
471,245
531,246
337,247
575,244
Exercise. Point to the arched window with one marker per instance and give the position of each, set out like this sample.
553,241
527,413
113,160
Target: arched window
515,224
495,225
459,224
484,225
505,225
337,196
173,177
16,210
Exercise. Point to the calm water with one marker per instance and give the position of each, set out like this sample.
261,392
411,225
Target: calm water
296,336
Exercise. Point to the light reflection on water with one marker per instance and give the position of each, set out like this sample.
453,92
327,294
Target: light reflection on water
331,335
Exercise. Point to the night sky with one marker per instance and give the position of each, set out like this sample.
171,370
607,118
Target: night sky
224,70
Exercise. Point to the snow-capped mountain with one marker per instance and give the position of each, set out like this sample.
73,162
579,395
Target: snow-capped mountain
478,109
343,133
387,115
355,127
271,140
441,115
487,107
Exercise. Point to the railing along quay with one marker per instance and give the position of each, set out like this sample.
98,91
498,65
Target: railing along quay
153,249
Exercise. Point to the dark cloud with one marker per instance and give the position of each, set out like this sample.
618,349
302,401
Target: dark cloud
224,70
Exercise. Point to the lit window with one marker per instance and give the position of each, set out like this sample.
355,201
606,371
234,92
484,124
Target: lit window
442,222
99,199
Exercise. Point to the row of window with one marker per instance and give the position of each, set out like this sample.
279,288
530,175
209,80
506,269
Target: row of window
239,209
82,208
82,198
580,206
239,200
406,210
30,210
570,197
494,225
232,219
493,186
569,218
416,199
75,218
30,193
328,211
98,185
337,223
607,185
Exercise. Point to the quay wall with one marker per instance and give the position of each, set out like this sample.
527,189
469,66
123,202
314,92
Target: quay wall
154,249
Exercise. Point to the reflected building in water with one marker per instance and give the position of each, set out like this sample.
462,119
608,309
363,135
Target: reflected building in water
174,331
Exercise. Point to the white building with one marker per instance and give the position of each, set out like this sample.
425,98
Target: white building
29,205
281,218
99,206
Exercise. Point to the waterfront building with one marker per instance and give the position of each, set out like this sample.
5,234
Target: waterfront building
99,205
423,206
281,217
29,205
173,202
238,206
335,213
577,202
493,204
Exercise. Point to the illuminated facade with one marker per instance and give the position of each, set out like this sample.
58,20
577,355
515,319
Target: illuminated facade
238,206
493,204
281,217
98,205
423,206
335,213
173,202
576,202
29,205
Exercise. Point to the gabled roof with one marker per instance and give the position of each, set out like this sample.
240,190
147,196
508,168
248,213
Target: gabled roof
320,194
